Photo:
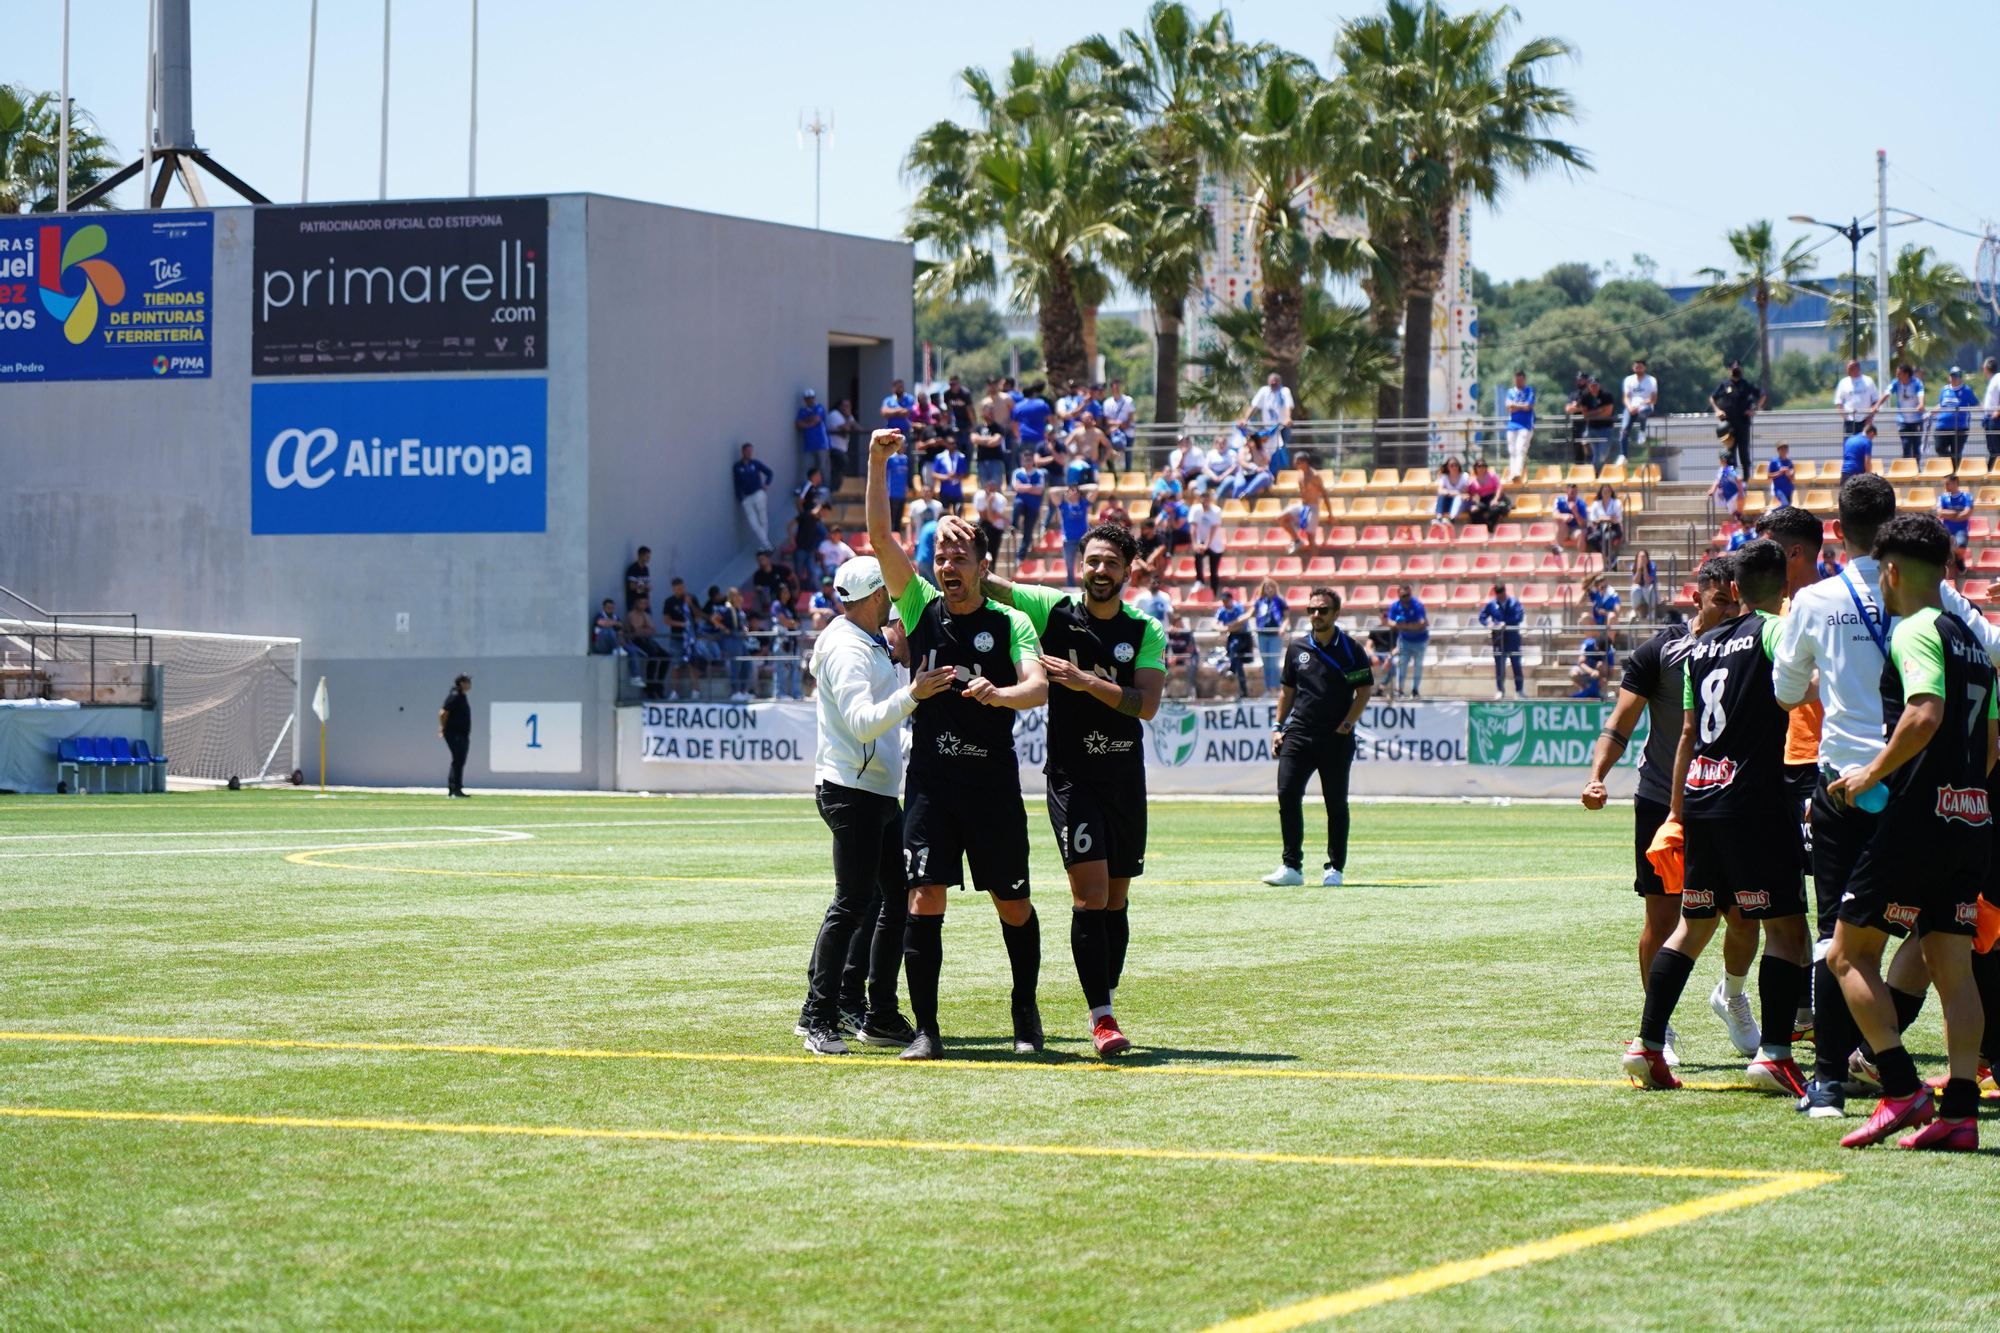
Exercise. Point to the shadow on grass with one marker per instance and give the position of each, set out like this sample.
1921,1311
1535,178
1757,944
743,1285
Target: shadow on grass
1000,1050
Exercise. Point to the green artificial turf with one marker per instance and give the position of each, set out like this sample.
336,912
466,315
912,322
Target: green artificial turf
1470,940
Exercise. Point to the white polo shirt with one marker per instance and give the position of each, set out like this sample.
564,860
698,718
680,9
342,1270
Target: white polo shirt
1825,630
1854,396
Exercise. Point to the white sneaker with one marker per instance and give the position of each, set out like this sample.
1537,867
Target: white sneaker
1735,1015
1283,876
1672,1050
1332,880
740,697
1499,694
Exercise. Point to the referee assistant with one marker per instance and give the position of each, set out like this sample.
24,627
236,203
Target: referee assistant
857,771
1322,690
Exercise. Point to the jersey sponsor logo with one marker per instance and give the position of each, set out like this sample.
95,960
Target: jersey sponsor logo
1706,774
1966,914
1753,902
1697,898
950,745
1967,805
1898,915
1099,743
983,641
1124,652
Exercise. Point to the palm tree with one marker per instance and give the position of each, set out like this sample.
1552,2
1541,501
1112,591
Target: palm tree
1765,276
1040,187
1449,118
31,150
1339,367
1933,309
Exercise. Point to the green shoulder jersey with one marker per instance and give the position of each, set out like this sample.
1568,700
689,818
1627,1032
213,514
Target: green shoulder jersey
952,736
1088,737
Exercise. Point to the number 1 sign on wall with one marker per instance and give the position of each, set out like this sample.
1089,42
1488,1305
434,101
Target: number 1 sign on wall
535,737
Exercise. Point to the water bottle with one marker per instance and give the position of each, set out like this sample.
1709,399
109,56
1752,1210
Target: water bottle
1874,799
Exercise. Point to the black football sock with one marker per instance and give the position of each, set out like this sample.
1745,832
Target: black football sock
1087,946
1899,1072
1908,1006
1834,1034
1960,1099
1664,984
1779,986
1986,975
1024,956
1117,934
923,959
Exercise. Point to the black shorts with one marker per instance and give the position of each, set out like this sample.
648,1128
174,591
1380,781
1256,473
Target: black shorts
1920,872
1100,821
1840,833
948,826
1647,816
1753,864
1801,781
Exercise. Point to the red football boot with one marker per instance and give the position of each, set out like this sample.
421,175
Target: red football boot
1648,1068
1944,1136
1892,1114
1106,1037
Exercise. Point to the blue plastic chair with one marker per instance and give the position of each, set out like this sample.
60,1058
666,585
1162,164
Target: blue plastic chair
152,767
67,756
121,757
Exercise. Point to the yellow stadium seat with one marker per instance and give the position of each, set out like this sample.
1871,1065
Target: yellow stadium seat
1937,467
1364,506
1972,469
1397,506
1879,467
1548,475
1385,479
1633,503
1819,501
1920,497
1988,498
1753,502
1902,469
1287,482
1613,472
1234,508
1133,483
1802,469
1268,508
1582,474
1649,472
1417,479
1140,509
1528,506
1336,505
1352,479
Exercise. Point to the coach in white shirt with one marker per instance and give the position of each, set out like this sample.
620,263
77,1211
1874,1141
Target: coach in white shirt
1856,397
1642,394
857,772
1990,406
1836,627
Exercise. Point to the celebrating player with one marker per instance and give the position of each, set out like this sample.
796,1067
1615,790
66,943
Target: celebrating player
1924,867
962,803
1111,661
1743,847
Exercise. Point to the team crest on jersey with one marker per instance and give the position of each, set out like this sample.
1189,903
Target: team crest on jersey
1697,898
1706,774
983,641
1123,652
1965,804
1305,659
1898,915
1967,914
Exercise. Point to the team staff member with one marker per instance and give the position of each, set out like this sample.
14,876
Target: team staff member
1504,615
1323,688
963,797
455,725
1742,838
1111,661
1928,859
1736,400
1837,629
857,773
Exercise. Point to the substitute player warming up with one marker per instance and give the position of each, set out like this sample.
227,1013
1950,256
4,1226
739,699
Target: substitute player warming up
962,801
1107,665
1928,860
1743,847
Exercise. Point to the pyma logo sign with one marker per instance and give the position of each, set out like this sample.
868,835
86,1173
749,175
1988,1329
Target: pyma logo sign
101,282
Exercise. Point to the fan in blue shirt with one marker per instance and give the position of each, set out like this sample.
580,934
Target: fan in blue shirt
1521,406
1857,451
1956,395
1954,510
1409,611
1031,418
1080,471
811,424
898,470
948,467
1075,517
750,475
1781,472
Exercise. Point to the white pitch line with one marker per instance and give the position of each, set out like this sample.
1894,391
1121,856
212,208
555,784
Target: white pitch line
504,836
407,828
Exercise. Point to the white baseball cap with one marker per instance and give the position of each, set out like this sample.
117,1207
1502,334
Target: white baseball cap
808,394
857,578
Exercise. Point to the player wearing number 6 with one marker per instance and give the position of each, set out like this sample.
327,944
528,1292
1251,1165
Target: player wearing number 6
1743,846
1110,661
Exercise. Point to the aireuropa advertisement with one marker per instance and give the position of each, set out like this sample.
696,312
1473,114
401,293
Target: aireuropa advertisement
397,288
107,296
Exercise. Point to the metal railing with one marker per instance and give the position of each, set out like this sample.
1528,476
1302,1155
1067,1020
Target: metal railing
93,665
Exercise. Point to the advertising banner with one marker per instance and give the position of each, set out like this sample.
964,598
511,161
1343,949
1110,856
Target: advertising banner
399,456
765,735
1561,733
401,287
106,296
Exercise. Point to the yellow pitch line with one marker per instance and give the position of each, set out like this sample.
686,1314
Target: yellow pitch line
1518,1256
902,1145
825,1062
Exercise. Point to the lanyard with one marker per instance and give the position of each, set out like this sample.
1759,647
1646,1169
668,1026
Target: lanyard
1328,657
1875,633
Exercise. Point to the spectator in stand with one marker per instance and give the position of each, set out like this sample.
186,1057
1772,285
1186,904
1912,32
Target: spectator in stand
1645,589
1413,636
1172,516
1155,602
1990,406
1572,516
639,577
1728,488
1301,518
1857,451
824,606
808,529
774,584
1598,600
899,484
708,626
1906,391
1233,619
1080,471
1075,523
1856,397
1166,486
957,402
1454,492
641,638
1219,468
924,548
1736,400
1205,523
898,409
1520,406
678,612
1270,614
1829,562
1150,546
1577,410
733,628
924,509
1781,472
990,510
1272,405
1488,495
604,629
1069,406
996,409
1954,510
1953,419
1594,663
1599,412
1119,417
1030,483
1186,460
841,429
1641,392
989,455
1113,510
782,650
1504,616
1607,525
1089,441
948,472
810,423
1031,416
1182,651
1256,467
833,552
1732,533
751,479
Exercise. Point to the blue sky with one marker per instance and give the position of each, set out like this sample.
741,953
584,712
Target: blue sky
1695,119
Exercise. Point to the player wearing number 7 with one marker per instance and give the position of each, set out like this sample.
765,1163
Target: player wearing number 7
1110,662
1743,846
962,797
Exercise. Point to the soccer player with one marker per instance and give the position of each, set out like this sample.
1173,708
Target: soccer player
1110,662
962,803
1322,691
1742,836
1930,853
1652,685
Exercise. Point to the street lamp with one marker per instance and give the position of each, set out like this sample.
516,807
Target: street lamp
1853,231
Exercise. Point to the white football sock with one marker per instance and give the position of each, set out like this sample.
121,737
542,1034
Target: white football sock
1733,986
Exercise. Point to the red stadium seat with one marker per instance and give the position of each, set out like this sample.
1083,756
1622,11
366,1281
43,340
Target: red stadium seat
1421,566
1183,571
1365,594
1520,564
1320,567
1534,594
1243,537
1435,594
1976,590
1551,564
1988,561
1686,596
860,543
1465,594
1287,567
1486,566
1353,567
1374,535
1507,534
1228,568
1339,537
1409,534
1203,595
1386,567
1452,566
1474,534
1274,539
1253,566
1981,526
1030,571
1297,596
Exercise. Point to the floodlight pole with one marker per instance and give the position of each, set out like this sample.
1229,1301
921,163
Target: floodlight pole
62,166
819,130
312,65
382,180
1853,231
472,134
1882,351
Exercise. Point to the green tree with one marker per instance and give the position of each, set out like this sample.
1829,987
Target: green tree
1933,310
1039,186
31,151
955,330
1341,361
1766,276
1449,116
